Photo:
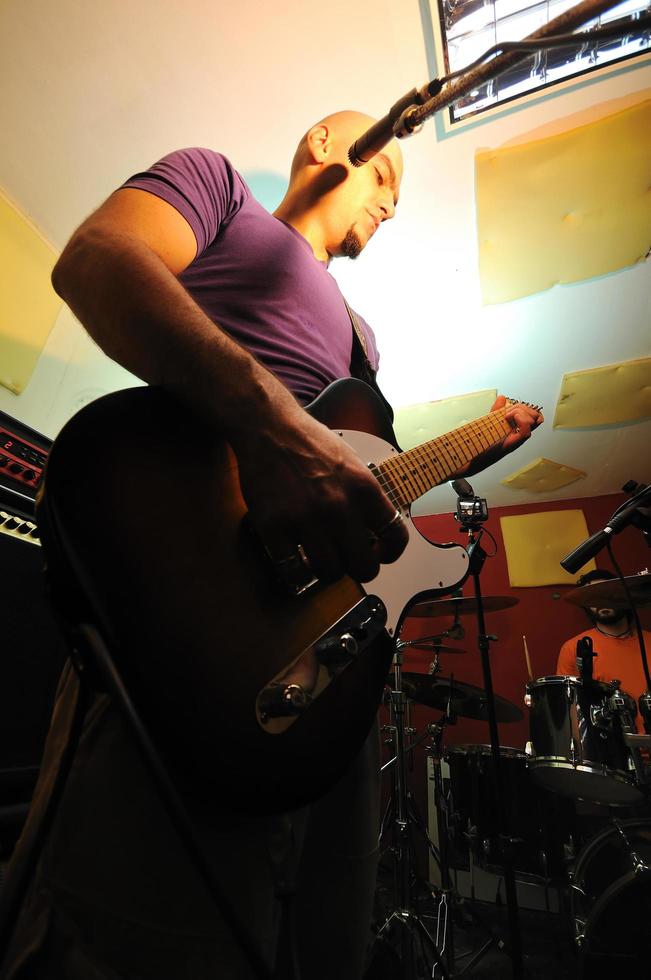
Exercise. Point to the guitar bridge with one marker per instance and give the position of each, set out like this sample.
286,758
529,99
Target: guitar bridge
291,575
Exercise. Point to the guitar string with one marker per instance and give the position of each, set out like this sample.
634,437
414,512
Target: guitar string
386,470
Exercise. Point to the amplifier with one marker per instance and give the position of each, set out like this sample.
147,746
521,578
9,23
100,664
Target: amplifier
32,650
23,454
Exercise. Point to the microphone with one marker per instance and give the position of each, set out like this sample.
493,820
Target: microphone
394,124
584,658
585,551
592,545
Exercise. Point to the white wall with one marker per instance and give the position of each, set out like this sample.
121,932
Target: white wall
93,92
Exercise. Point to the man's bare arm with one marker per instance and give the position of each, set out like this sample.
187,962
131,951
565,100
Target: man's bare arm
302,484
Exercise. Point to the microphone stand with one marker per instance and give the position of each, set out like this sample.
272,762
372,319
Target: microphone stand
636,512
477,556
408,114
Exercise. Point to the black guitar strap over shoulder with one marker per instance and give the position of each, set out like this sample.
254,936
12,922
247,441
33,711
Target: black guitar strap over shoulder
360,366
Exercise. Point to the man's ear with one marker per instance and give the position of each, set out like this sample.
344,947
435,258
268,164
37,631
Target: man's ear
319,142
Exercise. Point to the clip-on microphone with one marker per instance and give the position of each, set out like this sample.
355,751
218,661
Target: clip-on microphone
584,659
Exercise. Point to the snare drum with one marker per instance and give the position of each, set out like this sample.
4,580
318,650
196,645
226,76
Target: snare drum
576,749
611,892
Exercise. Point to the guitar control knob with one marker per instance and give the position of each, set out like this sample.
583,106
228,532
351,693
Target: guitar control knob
29,475
4,460
282,701
335,651
15,468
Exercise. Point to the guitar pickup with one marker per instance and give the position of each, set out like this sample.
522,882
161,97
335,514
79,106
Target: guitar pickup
291,575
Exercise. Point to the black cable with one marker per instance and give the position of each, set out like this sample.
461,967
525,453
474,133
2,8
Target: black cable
556,41
492,553
638,625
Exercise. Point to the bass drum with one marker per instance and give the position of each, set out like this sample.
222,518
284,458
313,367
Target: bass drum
611,892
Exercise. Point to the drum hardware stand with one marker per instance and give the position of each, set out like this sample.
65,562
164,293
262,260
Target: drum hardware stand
436,641
471,514
448,895
403,915
413,814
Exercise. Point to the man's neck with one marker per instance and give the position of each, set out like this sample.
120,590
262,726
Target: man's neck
620,628
304,219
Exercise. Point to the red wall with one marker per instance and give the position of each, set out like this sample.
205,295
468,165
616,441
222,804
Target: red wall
541,614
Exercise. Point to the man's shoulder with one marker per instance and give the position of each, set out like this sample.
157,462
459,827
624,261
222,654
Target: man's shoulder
201,184
198,159
194,166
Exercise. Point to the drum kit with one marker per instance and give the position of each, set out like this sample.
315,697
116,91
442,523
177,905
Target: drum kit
521,812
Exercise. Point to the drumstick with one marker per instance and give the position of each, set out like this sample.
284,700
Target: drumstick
526,655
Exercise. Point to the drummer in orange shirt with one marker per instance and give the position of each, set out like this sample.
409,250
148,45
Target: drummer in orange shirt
615,644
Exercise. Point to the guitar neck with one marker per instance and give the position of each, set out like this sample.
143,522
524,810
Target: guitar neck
407,476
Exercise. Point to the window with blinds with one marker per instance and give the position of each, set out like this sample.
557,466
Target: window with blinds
468,28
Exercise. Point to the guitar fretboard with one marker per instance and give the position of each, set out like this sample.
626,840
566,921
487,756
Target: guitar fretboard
408,475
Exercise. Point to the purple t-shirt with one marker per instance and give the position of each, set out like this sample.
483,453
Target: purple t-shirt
256,276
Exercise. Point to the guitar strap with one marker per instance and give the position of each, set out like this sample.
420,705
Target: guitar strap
360,366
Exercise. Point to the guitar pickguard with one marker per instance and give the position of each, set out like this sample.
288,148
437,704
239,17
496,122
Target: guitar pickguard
422,568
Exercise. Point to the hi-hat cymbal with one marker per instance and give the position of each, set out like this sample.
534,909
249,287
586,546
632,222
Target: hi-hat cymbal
611,593
466,700
462,605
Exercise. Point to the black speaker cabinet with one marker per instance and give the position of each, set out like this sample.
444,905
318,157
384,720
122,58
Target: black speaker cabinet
32,654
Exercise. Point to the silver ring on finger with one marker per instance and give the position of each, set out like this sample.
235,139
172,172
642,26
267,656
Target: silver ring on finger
395,520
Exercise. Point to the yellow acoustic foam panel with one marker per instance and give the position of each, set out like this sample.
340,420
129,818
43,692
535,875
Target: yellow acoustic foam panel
415,424
565,208
28,304
606,395
542,475
536,543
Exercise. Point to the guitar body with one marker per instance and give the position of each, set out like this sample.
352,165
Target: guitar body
143,503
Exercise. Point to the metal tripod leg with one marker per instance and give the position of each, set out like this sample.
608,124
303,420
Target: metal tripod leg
404,916
411,924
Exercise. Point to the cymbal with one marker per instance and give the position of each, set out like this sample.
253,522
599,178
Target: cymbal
611,593
466,700
430,643
462,605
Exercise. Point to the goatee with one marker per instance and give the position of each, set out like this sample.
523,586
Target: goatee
351,246
610,617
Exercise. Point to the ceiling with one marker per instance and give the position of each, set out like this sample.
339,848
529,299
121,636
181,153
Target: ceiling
94,92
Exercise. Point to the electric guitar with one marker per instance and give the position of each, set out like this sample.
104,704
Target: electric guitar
145,535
